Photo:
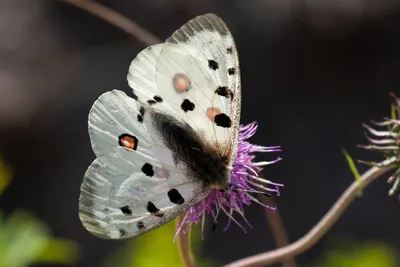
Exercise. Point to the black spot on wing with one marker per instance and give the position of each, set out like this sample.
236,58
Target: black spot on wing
223,120
140,225
153,209
229,50
134,96
212,64
141,114
126,210
151,102
148,169
222,91
187,105
122,232
175,197
141,111
158,98
231,71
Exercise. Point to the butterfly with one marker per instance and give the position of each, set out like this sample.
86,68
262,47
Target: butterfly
166,148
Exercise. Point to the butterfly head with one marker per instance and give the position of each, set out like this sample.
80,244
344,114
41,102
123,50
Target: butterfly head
223,184
221,187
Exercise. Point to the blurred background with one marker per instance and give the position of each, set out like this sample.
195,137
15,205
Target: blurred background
312,72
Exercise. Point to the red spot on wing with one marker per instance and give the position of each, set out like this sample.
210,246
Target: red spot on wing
128,141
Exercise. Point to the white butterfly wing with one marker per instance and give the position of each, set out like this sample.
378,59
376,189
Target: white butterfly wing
133,186
196,74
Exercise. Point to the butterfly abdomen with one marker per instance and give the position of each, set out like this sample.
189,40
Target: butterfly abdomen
203,161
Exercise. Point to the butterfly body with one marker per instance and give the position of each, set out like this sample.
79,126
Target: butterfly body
166,148
203,162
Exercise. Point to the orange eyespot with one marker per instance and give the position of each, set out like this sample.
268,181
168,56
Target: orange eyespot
128,141
181,82
212,112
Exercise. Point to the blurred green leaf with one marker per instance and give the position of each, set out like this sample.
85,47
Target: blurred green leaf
24,240
354,170
393,113
369,254
197,244
5,176
59,250
157,248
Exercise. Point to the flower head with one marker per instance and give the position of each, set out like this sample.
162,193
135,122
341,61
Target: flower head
244,182
386,139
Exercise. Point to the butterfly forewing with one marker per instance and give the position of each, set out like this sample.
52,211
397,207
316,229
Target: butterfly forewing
196,73
209,41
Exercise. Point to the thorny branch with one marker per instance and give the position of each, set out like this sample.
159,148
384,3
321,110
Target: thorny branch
283,254
321,227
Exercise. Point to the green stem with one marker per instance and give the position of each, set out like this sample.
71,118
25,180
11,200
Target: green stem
183,243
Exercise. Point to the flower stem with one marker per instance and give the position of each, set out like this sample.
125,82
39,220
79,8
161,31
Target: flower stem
184,244
277,229
120,21
315,234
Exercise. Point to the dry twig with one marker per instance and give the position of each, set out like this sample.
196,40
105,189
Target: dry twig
116,19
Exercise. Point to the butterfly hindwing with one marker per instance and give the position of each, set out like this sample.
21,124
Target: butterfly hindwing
133,186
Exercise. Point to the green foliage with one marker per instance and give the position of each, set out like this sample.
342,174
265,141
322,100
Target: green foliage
197,244
354,170
368,254
157,248
25,240
5,176
393,112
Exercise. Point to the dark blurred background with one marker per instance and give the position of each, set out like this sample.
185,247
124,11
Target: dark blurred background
312,72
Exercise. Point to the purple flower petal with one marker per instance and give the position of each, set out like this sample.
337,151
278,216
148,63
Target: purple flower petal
244,182
386,139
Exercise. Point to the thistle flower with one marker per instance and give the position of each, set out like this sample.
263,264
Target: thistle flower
244,182
387,141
